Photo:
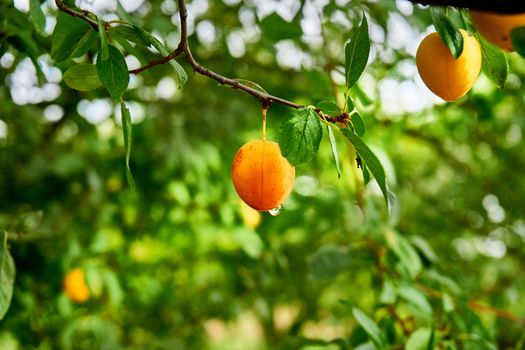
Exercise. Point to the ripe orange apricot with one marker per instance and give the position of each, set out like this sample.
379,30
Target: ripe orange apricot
75,286
262,177
496,28
445,76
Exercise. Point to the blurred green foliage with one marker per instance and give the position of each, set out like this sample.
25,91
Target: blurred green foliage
172,265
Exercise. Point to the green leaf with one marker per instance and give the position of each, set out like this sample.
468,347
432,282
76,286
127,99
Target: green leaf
333,146
422,245
357,51
300,136
180,74
275,28
71,38
329,108
366,173
126,129
421,339
388,294
359,124
113,72
372,162
447,30
130,33
38,17
104,50
370,327
448,302
7,277
517,36
349,104
419,302
328,261
82,77
405,252
494,63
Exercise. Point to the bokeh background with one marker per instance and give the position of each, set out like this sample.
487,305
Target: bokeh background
179,264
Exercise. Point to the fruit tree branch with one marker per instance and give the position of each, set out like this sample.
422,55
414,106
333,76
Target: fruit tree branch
499,6
184,47
82,15
265,98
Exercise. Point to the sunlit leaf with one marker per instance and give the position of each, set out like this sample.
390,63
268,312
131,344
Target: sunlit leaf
300,136
113,72
495,64
333,146
372,162
7,276
72,37
357,51
447,30
370,327
82,77
37,16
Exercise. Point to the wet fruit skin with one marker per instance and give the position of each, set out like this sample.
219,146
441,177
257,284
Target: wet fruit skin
445,76
262,177
75,286
496,28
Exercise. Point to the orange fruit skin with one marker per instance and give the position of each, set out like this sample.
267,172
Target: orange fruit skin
75,286
496,28
262,177
445,76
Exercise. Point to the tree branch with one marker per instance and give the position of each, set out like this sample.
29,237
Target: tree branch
184,47
499,6
160,61
82,15
265,98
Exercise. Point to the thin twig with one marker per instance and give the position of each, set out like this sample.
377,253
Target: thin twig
82,15
160,61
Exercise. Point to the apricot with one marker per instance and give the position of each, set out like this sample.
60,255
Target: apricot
496,28
445,76
75,286
262,177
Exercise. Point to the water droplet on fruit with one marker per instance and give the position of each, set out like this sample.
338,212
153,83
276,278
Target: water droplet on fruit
275,211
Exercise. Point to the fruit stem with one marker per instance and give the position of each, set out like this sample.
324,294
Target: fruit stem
264,110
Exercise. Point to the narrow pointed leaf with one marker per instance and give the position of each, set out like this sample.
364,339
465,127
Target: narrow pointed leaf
335,153
300,136
448,31
370,327
357,51
7,276
371,160
104,51
359,124
349,104
37,16
113,72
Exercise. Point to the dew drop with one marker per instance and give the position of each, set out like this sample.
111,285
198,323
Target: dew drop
275,211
